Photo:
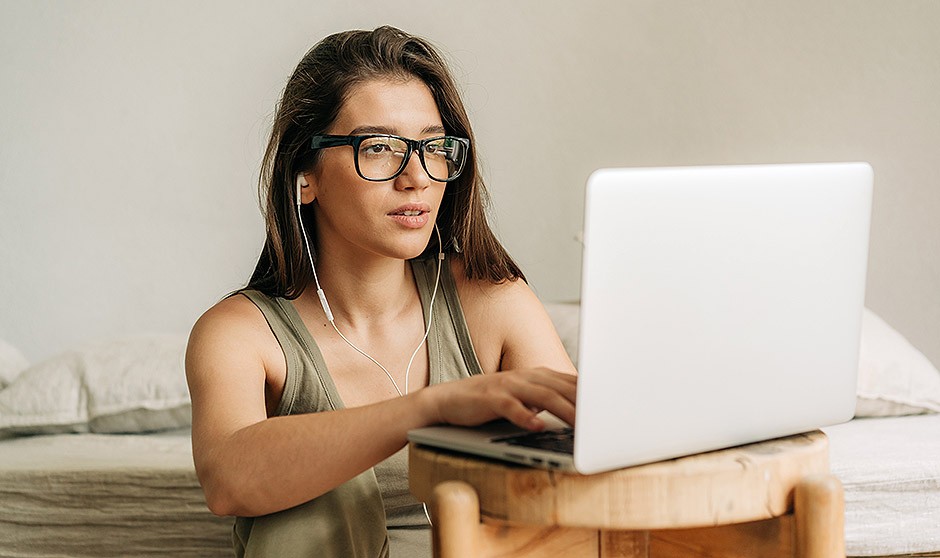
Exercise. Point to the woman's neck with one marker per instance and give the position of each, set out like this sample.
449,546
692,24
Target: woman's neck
369,291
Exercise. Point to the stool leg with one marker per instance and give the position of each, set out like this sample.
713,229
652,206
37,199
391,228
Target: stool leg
819,514
455,513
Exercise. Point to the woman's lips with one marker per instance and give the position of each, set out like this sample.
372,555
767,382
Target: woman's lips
412,219
412,216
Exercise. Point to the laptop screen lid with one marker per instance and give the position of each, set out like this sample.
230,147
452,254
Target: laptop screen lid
719,306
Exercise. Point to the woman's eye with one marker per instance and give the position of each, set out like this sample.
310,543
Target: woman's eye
376,148
436,149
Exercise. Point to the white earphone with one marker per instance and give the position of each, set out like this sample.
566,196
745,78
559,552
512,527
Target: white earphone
301,182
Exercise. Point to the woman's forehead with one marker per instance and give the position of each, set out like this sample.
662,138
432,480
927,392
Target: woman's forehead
404,107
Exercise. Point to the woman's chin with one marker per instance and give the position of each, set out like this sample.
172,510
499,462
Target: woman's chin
414,253
414,247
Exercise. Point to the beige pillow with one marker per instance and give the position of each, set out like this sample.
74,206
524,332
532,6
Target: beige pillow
126,385
12,362
894,378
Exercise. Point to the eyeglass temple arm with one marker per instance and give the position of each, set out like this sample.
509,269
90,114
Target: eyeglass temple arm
317,142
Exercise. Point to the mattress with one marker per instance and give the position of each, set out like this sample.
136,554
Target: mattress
890,469
77,495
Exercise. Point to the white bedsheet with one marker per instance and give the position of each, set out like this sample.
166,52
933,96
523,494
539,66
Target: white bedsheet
890,469
80,495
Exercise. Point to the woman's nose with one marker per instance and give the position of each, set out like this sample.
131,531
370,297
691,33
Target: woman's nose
414,175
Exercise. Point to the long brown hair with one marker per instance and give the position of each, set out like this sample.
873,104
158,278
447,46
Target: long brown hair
312,99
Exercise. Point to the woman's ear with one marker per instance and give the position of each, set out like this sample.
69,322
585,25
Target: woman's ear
304,193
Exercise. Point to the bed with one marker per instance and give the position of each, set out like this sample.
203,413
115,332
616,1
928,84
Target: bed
95,454
105,495
890,470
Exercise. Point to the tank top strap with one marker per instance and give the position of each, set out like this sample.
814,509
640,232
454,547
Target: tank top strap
449,341
308,387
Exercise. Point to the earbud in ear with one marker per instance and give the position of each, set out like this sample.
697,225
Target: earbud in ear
301,182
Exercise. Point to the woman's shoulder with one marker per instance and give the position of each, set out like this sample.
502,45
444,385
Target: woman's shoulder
234,309
232,339
234,319
486,293
496,313
508,324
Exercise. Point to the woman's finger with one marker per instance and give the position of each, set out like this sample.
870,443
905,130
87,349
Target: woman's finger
537,395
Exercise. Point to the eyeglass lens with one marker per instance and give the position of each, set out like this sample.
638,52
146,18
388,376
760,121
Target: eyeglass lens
382,157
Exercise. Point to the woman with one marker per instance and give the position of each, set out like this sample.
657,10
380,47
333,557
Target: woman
381,302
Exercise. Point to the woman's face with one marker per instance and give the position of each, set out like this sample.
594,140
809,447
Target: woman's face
392,219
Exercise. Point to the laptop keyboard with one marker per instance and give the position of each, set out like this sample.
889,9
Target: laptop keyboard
560,440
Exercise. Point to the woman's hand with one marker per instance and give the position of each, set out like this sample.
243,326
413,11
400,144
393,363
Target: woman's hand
516,395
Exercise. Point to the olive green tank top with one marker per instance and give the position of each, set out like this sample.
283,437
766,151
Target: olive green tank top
372,515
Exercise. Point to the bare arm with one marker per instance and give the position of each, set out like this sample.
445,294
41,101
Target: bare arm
251,465
530,336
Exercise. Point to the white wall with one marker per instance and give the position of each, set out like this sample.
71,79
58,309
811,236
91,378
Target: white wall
131,132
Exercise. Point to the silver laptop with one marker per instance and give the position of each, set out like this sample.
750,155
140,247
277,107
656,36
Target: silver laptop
719,306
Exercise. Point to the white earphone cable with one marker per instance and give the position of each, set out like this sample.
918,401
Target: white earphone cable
329,314
437,281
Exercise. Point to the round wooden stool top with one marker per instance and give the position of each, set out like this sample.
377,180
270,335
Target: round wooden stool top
745,483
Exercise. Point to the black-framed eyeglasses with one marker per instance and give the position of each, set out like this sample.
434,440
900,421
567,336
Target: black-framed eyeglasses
381,157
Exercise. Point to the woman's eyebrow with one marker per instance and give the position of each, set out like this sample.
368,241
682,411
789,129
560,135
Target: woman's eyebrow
370,129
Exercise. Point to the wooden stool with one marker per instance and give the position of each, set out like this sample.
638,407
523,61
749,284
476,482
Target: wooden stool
770,499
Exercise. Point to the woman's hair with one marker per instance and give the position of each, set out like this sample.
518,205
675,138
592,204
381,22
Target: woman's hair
312,99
